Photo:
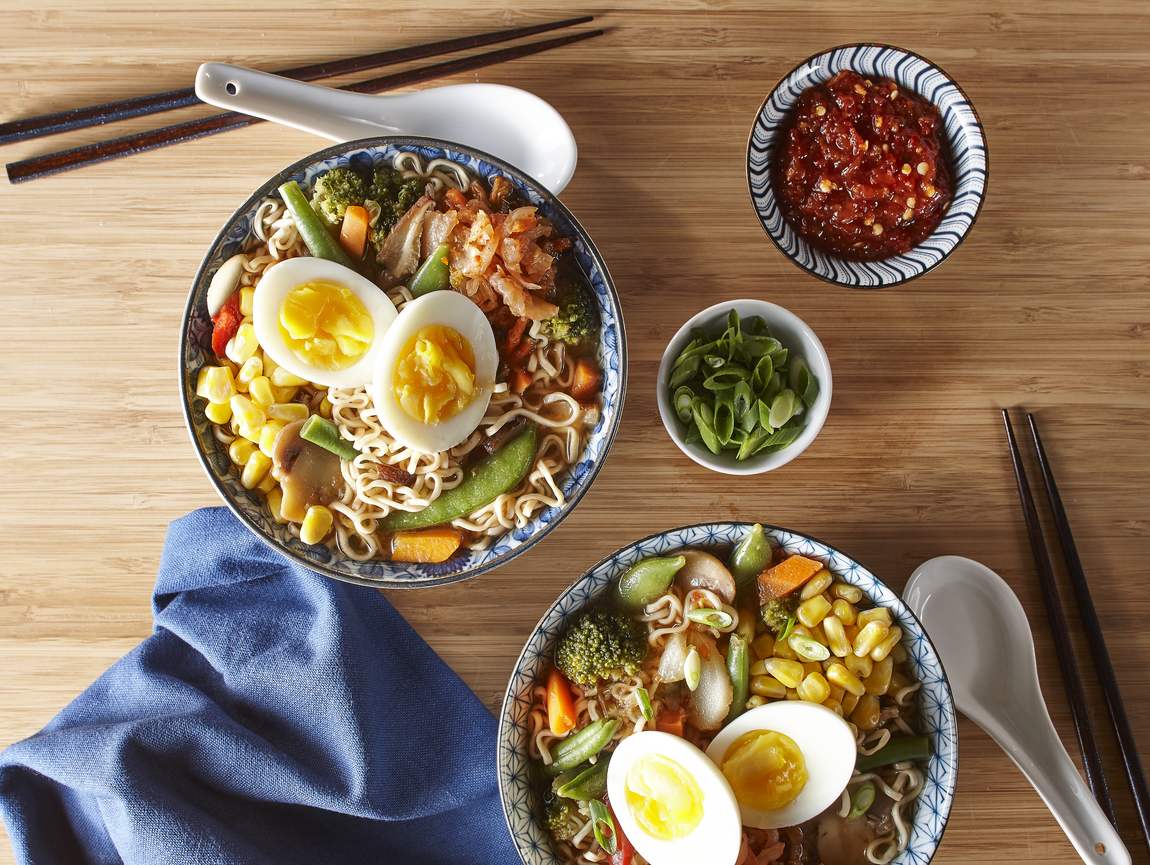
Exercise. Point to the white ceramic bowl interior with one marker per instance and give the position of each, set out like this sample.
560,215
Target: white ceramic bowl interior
795,335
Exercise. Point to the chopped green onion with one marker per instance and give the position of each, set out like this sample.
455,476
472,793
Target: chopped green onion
684,396
711,618
861,800
808,648
790,626
603,825
645,707
692,669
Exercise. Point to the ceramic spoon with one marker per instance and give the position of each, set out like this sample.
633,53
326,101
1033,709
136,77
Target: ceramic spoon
983,636
507,122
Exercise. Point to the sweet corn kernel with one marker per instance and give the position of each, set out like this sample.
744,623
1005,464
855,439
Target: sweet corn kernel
754,701
790,673
240,450
870,636
268,484
882,651
285,394
253,367
792,694
254,470
215,384
261,391
247,414
861,667
218,412
289,412
878,682
836,637
316,524
243,345
270,366
816,585
247,293
899,654
800,629
814,688
813,610
275,503
847,592
846,680
834,705
783,650
837,693
844,611
282,378
759,668
866,713
849,702
763,645
768,686
811,667
875,614
268,436
325,407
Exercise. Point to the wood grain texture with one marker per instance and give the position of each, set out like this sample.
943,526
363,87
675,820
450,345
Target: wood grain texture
1046,306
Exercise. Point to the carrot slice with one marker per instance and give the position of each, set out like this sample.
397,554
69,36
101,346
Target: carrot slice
426,546
587,379
519,380
787,575
353,232
561,714
455,198
671,721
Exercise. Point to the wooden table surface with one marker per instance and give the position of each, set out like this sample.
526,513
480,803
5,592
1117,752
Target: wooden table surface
1045,306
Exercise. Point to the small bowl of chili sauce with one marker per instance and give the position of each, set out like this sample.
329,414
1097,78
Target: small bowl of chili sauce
867,165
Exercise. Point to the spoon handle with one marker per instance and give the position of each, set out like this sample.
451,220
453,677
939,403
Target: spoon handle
333,114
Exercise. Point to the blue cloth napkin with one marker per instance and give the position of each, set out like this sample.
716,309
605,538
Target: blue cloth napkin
274,716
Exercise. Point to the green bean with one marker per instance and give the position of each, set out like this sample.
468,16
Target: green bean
750,556
315,235
484,482
433,275
586,782
904,749
861,800
739,666
582,746
647,580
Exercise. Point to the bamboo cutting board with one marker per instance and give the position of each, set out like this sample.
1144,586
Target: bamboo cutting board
1046,305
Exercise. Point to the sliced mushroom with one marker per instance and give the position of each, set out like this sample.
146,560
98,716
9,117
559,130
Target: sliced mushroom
399,252
224,282
309,475
704,571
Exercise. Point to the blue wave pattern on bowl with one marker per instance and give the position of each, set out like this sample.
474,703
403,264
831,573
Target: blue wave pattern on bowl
521,804
967,150
249,505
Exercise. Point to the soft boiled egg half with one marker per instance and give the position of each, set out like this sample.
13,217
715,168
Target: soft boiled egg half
786,762
321,321
672,803
435,372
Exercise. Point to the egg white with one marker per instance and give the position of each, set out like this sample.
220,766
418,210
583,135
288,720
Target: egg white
451,309
828,747
717,838
269,298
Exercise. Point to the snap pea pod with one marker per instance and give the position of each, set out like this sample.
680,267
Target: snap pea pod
311,228
750,556
484,482
739,666
900,750
325,434
433,275
586,782
646,580
582,746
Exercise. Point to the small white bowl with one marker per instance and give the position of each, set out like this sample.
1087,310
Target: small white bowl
795,335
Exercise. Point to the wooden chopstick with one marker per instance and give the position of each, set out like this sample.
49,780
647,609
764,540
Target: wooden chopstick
137,106
1071,679
1135,775
101,151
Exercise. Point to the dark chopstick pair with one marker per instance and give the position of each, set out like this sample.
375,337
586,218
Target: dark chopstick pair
79,118
1083,726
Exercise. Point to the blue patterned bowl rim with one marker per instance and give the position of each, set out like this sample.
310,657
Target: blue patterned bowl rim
250,510
516,790
969,154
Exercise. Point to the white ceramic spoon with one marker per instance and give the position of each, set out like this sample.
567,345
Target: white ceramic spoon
981,631
507,122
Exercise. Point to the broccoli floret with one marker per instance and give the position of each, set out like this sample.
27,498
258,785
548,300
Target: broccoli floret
776,612
578,318
601,645
559,822
335,191
394,195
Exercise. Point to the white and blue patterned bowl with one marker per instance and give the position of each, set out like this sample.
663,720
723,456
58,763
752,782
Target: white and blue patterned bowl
195,351
517,788
968,154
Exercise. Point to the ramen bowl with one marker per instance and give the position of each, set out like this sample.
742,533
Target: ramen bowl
249,505
520,780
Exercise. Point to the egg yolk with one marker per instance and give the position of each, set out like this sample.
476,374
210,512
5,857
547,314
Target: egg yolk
326,325
664,798
765,769
435,375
